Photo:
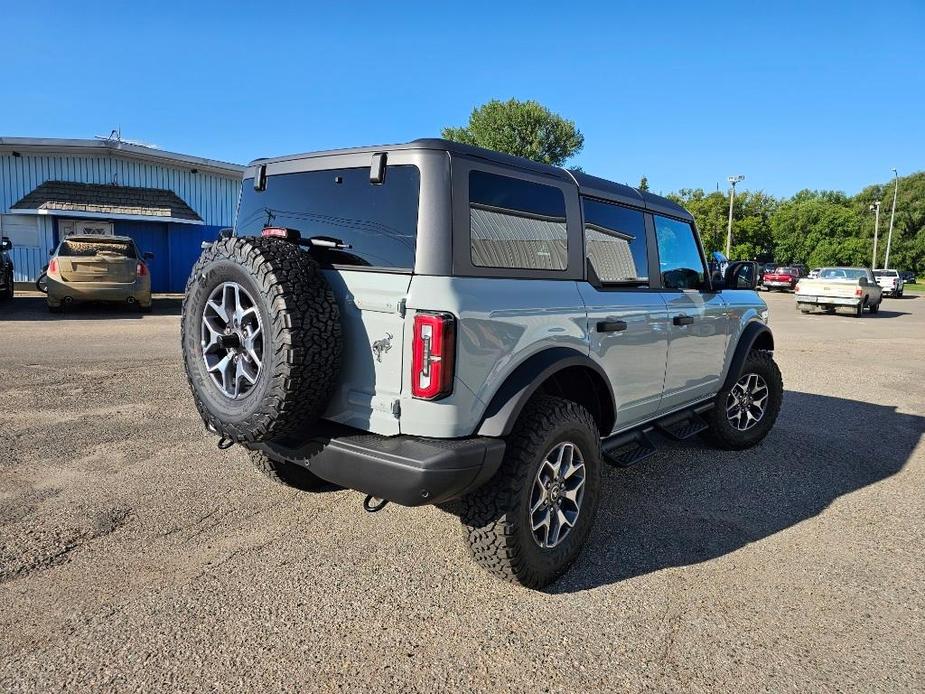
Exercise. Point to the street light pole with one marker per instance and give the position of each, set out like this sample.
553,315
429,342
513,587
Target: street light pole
889,238
732,194
876,210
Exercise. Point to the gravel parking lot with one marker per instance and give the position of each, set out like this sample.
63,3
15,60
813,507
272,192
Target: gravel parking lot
134,555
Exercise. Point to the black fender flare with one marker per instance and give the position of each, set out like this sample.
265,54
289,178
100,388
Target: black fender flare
521,384
755,331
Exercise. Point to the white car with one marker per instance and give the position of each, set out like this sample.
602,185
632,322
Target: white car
890,281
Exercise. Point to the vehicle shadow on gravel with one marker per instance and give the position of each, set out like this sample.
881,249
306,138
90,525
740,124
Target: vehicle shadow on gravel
690,504
35,308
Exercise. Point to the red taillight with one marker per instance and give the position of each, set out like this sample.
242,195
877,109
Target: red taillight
797,288
282,233
141,269
53,267
859,292
432,351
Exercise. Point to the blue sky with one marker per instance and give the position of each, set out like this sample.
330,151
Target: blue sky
793,95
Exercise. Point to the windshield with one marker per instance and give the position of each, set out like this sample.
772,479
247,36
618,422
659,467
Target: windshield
785,271
841,273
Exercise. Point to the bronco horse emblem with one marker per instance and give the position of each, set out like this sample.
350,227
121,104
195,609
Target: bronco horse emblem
383,345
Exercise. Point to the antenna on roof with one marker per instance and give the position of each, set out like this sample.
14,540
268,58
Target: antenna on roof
115,135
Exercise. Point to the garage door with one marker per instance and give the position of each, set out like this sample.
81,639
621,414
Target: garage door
151,237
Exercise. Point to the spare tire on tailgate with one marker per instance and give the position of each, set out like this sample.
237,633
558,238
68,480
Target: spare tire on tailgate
261,338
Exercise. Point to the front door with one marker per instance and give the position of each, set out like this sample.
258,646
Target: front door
697,317
627,321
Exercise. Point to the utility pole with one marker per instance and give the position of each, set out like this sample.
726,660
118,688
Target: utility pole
875,208
732,195
889,238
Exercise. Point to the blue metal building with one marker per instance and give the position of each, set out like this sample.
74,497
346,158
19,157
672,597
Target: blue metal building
169,203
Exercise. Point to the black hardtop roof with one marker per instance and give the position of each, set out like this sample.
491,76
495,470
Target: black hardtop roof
587,184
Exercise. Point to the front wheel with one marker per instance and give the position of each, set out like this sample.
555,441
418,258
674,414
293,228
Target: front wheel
530,521
744,412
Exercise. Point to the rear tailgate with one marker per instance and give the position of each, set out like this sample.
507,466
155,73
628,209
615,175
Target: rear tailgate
841,289
372,307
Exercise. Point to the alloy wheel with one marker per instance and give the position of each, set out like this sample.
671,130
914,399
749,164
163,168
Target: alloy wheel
232,340
556,496
747,401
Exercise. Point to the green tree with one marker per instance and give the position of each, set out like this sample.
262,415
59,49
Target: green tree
643,183
522,128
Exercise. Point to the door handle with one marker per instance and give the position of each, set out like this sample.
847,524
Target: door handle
683,320
611,326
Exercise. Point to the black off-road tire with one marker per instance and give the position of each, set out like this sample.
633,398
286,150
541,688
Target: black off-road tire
8,290
284,472
301,331
496,518
721,432
859,311
875,308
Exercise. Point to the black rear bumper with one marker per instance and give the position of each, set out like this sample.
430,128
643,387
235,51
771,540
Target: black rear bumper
408,470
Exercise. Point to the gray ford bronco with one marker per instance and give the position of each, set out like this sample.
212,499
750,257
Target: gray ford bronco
434,323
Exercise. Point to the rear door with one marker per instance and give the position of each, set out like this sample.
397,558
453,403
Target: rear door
627,321
370,276
698,319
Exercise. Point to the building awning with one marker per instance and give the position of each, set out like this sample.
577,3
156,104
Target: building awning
65,198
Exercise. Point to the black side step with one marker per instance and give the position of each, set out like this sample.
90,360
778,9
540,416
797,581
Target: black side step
683,428
630,447
626,449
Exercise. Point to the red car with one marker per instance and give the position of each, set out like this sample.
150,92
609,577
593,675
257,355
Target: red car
781,278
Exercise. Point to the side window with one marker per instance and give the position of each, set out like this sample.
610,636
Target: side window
615,242
679,258
516,224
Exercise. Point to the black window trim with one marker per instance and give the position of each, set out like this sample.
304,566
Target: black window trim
463,266
708,281
654,280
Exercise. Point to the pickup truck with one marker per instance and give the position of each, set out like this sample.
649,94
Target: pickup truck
835,287
890,281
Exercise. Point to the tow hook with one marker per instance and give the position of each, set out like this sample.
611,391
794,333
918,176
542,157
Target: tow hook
372,504
225,443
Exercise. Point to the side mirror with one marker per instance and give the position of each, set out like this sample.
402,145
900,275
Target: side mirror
716,281
741,275
5,244
147,255
226,233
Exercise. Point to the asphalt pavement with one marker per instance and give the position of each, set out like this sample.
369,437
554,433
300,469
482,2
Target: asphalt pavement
135,556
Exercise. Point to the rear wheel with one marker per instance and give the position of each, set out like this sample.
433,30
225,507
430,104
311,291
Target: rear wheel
859,310
8,289
874,308
745,411
530,521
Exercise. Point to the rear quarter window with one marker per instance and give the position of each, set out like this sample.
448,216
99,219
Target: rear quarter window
379,221
516,224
